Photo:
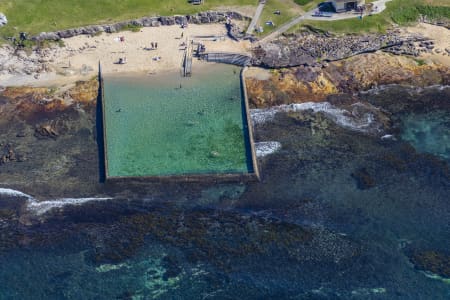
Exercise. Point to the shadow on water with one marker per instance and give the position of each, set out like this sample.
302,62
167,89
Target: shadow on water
246,128
99,127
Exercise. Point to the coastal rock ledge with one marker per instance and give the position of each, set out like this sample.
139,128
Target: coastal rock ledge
318,49
199,18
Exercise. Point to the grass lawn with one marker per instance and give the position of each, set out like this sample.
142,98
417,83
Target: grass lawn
34,16
397,11
288,10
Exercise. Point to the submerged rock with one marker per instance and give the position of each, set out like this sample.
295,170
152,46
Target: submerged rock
433,261
363,179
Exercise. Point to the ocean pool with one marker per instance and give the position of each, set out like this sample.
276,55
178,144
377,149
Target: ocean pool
163,125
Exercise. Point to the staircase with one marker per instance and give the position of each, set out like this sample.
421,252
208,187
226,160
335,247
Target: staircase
227,58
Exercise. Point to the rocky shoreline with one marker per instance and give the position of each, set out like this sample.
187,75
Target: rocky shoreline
308,49
199,18
317,49
348,76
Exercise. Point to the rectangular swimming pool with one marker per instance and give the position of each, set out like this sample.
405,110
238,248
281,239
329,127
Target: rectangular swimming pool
164,125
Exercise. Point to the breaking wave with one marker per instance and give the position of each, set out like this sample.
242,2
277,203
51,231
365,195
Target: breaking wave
14,193
354,120
266,148
42,207
379,89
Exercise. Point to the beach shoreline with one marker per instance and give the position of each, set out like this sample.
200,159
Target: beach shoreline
80,56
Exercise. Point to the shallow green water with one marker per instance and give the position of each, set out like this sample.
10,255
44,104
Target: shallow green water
168,125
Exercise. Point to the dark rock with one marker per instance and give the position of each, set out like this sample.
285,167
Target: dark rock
200,18
363,179
181,20
234,31
51,36
317,48
431,261
167,20
146,22
46,130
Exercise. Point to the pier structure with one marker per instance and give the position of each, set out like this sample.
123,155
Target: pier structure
187,59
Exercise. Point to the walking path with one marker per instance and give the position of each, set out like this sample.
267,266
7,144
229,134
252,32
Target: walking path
255,18
380,4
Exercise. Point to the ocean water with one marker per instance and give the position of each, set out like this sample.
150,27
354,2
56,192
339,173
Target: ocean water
344,210
428,133
169,125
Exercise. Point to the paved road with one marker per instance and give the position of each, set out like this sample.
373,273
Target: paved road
284,28
380,4
255,18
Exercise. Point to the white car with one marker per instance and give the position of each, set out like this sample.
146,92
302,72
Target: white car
3,20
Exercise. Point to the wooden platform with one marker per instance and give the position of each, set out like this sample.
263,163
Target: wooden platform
187,60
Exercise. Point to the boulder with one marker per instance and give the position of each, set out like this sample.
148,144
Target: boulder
200,18
156,23
181,20
167,20
193,19
50,36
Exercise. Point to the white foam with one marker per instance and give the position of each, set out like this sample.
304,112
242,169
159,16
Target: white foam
266,148
388,137
43,207
14,193
267,114
348,119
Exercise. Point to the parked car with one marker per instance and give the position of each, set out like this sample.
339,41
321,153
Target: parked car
3,20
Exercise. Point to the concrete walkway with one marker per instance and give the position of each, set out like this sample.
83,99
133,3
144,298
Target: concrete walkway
380,4
255,18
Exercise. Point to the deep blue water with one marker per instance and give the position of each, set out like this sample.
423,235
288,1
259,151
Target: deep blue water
338,214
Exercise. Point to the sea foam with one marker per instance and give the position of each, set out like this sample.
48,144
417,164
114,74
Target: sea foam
13,193
42,207
348,119
265,148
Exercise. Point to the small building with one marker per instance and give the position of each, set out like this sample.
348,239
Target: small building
346,5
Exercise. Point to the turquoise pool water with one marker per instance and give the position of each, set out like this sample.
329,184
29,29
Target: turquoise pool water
159,125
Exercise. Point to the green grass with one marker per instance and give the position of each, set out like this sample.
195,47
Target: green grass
132,28
288,11
398,11
34,16
420,62
302,2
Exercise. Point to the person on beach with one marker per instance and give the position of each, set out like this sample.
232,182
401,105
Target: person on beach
156,45
152,45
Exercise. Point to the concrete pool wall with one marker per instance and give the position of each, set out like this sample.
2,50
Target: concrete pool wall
251,175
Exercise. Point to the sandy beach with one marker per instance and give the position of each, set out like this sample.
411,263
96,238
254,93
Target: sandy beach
80,57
